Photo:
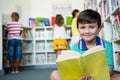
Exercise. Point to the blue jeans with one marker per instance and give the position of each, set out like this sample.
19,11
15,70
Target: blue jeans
14,49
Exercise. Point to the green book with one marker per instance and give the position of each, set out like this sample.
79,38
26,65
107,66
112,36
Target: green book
68,20
39,21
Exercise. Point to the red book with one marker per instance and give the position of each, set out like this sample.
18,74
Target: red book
52,20
118,18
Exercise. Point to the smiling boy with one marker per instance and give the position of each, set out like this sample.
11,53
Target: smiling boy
89,26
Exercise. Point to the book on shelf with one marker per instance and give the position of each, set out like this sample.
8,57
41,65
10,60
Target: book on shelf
32,22
72,66
40,58
52,20
68,20
27,59
27,47
117,59
40,46
39,21
51,57
105,8
118,18
46,22
116,29
26,34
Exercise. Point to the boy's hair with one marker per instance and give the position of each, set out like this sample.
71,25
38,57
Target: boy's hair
74,12
59,20
89,16
15,15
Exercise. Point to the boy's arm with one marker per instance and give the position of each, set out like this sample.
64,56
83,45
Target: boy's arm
110,71
21,30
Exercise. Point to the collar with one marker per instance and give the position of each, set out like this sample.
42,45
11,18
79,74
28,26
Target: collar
82,45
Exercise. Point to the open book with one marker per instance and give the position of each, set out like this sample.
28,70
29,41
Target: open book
72,66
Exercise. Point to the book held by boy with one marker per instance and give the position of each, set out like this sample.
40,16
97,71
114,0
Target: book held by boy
72,66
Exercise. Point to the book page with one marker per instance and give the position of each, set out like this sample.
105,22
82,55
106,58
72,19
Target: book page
92,50
96,65
68,54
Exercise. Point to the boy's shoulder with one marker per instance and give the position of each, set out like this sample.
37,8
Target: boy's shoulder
75,46
107,43
14,22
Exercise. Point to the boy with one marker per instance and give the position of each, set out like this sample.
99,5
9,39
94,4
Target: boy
89,26
14,29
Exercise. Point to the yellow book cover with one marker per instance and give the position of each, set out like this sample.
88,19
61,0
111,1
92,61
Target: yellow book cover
72,66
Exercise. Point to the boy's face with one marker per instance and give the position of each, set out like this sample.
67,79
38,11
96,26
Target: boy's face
88,31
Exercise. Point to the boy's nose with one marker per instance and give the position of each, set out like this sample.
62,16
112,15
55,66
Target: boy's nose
87,30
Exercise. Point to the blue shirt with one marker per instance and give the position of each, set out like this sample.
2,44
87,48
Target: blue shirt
81,48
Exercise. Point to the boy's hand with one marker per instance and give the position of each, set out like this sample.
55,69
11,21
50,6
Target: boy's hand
87,78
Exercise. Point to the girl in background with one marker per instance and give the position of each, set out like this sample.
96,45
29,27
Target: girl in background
75,33
59,35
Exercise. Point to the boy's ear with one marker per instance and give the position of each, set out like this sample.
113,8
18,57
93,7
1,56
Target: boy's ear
100,28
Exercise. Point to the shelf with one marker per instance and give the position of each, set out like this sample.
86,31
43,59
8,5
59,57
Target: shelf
116,40
110,8
27,27
40,50
27,39
37,46
27,52
107,19
116,11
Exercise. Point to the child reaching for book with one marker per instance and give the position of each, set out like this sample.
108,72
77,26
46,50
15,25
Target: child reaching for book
75,33
14,29
89,26
59,35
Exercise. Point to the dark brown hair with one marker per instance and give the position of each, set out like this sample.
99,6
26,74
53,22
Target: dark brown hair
15,15
89,16
74,12
59,20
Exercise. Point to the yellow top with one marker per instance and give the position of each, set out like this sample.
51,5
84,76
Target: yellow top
74,27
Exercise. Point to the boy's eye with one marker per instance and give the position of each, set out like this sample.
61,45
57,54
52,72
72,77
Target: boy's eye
82,27
92,27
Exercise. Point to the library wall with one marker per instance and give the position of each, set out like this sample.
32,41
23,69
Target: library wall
33,8
44,8
8,6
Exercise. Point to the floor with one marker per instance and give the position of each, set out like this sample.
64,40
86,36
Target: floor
33,74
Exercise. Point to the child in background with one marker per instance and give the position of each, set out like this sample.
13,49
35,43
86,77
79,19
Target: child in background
89,26
59,35
14,29
75,33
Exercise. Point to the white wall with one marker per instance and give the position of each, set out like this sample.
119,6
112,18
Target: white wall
21,6
43,8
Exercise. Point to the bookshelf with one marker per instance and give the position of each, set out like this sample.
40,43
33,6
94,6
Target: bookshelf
27,46
43,41
109,9
37,46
